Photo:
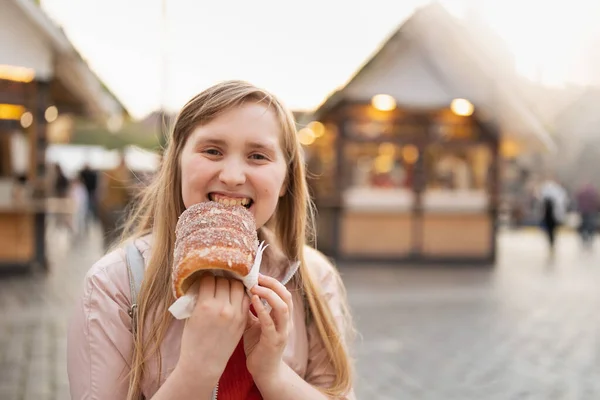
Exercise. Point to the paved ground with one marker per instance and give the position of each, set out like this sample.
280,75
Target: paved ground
33,315
527,329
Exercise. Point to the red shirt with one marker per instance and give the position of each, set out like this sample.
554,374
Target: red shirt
236,383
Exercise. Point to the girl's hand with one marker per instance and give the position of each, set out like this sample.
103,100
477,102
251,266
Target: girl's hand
215,328
266,336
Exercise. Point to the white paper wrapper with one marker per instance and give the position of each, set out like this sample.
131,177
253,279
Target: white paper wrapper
183,307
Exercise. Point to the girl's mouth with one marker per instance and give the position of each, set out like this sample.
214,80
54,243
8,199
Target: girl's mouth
230,201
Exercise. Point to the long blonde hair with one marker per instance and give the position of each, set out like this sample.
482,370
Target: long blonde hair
161,204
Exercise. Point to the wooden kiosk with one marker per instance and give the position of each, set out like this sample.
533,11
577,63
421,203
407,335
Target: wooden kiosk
41,85
405,185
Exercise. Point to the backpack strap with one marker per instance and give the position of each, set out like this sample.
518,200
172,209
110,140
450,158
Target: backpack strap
135,268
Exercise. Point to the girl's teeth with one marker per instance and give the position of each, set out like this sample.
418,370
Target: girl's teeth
232,202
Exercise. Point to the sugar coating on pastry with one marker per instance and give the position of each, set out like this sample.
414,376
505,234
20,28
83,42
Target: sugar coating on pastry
212,236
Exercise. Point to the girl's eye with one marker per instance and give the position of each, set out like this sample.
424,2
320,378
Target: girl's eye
259,157
212,152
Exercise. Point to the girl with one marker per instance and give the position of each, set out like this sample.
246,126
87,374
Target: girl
232,141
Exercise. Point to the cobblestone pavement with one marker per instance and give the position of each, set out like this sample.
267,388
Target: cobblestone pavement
526,329
33,320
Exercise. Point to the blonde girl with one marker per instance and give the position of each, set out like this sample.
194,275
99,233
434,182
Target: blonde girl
236,142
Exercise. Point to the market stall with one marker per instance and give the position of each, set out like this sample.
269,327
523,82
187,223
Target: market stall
406,159
41,86
407,184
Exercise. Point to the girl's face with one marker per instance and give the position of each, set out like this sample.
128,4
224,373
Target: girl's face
236,159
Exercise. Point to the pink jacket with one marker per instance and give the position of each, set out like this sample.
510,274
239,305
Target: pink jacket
100,338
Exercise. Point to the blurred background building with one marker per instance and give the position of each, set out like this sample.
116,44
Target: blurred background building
44,84
419,146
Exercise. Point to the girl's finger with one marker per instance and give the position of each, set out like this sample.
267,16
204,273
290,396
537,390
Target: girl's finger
237,292
280,309
245,304
223,289
277,287
267,326
206,289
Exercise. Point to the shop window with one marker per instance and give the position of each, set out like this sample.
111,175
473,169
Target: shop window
457,178
379,176
457,168
14,158
379,165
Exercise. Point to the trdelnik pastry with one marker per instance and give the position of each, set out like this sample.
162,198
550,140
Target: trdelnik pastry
213,238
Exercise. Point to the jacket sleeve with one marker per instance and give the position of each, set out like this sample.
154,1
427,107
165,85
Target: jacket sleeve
320,372
99,340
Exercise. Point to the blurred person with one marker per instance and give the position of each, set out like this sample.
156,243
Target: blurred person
61,183
79,196
60,190
20,190
89,177
115,195
235,144
588,204
554,201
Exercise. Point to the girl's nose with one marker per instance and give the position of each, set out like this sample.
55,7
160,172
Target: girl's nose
232,173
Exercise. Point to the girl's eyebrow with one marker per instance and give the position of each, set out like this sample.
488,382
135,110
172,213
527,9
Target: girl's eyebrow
216,142
260,146
253,145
